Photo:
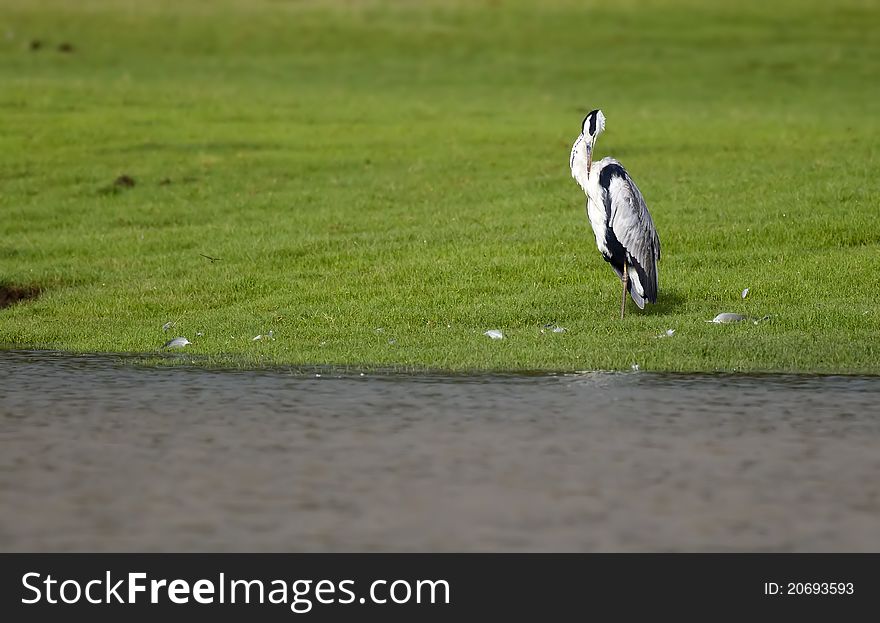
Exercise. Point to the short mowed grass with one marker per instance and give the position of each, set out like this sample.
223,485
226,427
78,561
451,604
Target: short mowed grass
383,182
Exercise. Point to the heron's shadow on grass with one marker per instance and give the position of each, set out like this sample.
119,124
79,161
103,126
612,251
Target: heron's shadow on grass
668,302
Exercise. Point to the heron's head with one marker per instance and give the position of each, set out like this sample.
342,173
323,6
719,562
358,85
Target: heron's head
593,125
591,128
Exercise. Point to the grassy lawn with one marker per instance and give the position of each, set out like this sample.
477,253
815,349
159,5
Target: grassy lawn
385,181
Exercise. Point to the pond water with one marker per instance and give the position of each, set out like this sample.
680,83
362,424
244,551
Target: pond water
98,453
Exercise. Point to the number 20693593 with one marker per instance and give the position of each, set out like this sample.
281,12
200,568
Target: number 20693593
809,588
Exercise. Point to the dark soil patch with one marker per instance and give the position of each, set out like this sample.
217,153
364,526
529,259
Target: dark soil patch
12,294
66,48
36,44
120,184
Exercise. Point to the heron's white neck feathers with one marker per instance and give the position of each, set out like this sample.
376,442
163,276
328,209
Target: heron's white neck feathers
580,154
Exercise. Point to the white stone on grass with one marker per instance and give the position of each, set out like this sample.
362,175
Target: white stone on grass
727,317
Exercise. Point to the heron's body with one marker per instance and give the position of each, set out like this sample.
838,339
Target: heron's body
624,231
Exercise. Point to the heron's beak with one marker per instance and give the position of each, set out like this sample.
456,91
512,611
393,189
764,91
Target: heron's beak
590,144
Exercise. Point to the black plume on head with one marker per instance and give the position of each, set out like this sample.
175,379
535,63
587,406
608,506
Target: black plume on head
591,117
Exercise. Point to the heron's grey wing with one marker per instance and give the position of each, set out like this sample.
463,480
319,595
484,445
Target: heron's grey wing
629,219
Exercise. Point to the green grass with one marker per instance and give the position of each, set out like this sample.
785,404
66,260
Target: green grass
403,166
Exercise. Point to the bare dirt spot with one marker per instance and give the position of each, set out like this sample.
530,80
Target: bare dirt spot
65,47
121,183
12,294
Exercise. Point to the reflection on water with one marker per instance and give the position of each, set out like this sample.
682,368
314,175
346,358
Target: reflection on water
99,454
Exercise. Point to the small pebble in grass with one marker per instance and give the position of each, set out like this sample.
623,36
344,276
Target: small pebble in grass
178,342
553,328
495,334
727,317
745,293
200,334
167,325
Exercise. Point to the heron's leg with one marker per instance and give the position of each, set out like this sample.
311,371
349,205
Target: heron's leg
625,288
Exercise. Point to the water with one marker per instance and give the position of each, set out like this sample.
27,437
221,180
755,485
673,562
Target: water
100,454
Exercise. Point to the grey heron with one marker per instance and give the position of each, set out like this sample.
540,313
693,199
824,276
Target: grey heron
625,233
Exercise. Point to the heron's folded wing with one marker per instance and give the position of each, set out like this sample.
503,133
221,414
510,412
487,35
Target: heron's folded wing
631,223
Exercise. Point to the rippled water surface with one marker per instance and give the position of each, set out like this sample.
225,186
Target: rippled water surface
101,454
